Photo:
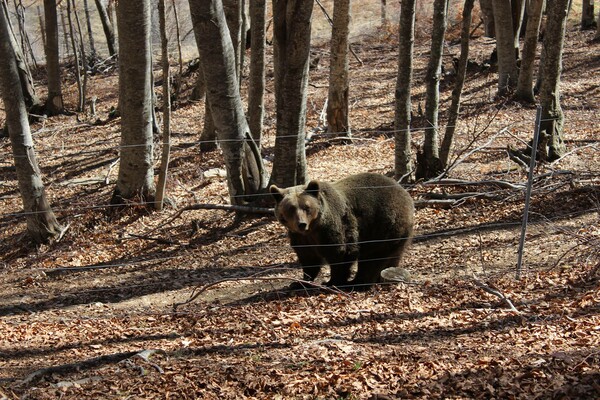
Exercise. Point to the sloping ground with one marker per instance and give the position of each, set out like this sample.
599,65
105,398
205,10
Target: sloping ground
92,316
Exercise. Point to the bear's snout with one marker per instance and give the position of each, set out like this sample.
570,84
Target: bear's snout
302,226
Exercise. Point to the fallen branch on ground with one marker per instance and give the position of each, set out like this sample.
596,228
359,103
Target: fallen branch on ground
496,293
256,277
156,239
225,207
74,367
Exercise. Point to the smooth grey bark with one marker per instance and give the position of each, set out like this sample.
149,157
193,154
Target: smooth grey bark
42,225
524,90
461,72
403,166
136,173
54,104
256,86
587,14
107,27
428,164
208,136
487,11
291,37
166,87
518,13
552,144
505,45
233,16
32,101
217,56
338,120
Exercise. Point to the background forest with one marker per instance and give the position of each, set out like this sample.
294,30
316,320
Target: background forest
115,286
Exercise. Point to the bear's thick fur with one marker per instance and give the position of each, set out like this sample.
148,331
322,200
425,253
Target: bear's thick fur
365,218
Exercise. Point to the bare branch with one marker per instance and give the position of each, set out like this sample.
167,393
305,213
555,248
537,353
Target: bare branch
256,277
495,292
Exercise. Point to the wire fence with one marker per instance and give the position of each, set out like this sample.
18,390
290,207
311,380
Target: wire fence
269,268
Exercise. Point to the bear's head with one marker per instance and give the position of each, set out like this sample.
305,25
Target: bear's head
298,207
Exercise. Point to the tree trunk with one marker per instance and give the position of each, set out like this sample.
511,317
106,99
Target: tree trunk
244,168
66,40
403,160
136,173
208,136
338,122
518,13
487,11
587,14
88,22
461,72
525,84
384,19
552,144
32,101
26,47
42,225
78,63
505,45
233,15
166,87
429,164
54,104
42,26
597,36
291,37
256,89
107,27
179,52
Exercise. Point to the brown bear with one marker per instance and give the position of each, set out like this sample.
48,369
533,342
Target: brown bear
365,218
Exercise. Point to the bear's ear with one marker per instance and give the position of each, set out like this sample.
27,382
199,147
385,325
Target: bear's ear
313,188
276,193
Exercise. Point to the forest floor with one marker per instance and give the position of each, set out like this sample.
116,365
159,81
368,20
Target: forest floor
92,316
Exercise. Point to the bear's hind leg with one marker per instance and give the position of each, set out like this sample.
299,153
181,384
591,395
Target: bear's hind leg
368,273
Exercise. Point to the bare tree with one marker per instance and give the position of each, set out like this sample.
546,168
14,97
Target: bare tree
597,36
403,159
428,163
291,36
79,62
256,86
90,32
54,104
587,14
42,224
487,11
32,101
338,121
166,131
42,26
505,45
461,72
552,144
107,27
136,173
217,56
524,90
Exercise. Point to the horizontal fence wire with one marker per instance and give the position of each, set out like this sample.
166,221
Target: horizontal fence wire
185,145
